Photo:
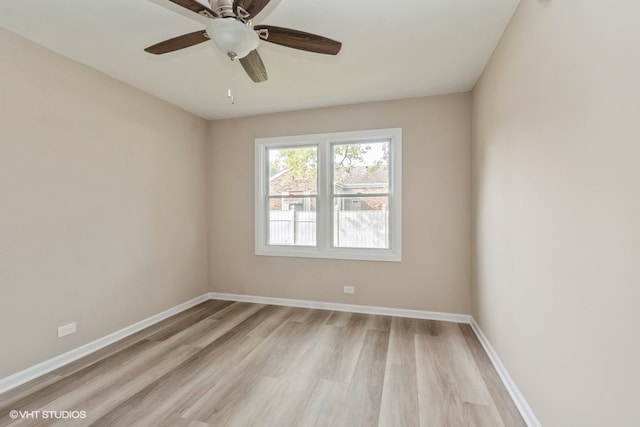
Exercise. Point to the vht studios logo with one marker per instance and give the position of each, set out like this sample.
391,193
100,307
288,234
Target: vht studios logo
52,415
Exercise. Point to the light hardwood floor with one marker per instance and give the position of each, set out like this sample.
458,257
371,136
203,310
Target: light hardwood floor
239,364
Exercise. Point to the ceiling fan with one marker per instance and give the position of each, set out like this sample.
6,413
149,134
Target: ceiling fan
231,29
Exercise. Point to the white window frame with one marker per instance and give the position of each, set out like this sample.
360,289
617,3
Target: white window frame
324,248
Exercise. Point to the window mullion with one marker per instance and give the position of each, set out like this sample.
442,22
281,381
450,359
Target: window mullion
323,201
265,198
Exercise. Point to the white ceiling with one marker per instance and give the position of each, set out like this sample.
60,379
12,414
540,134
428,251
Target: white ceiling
390,49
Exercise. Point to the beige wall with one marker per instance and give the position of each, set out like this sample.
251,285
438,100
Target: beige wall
435,271
557,198
102,204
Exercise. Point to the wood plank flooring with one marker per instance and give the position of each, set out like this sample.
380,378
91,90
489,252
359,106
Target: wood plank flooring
222,363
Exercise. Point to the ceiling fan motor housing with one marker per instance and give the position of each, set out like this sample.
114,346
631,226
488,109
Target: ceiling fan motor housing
233,37
223,8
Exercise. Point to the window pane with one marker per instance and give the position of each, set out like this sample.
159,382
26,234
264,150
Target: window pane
293,171
292,221
361,222
361,168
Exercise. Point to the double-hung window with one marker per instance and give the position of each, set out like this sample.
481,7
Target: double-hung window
335,195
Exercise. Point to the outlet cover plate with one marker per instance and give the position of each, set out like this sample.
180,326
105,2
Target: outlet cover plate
67,329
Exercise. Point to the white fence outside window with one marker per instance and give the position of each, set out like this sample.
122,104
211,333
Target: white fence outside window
352,228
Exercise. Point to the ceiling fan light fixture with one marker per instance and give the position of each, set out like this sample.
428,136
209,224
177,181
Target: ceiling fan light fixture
232,36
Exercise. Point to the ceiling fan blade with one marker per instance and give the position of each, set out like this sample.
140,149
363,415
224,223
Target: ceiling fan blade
298,39
253,7
196,7
254,66
179,42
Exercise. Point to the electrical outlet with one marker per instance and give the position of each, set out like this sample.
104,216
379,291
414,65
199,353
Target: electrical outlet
65,330
349,289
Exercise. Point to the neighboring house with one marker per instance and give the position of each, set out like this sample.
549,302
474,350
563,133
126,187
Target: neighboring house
362,180
282,183
360,220
356,180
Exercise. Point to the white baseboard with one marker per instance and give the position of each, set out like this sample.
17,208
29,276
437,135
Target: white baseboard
514,392
352,308
47,366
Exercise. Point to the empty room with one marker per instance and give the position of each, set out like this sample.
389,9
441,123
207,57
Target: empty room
303,213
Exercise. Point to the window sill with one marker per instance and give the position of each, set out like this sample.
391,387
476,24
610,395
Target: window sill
385,255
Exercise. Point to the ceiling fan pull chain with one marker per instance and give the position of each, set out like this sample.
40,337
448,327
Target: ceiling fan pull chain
229,93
